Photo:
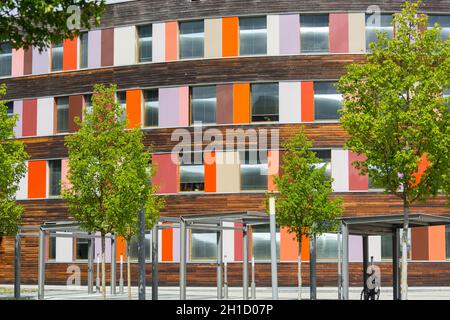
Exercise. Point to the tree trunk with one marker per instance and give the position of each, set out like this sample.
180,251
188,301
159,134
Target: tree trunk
128,271
103,267
299,267
404,269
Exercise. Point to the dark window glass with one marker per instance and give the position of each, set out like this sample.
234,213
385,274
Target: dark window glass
203,100
327,101
83,50
447,242
372,184
326,246
5,59
88,102
134,247
54,183
253,170
372,27
62,107
151,108
122,101
191,39
51,248
443,22
81,249
252,35
10,108
265,102
314,33
145,43
386,246
261,242
203,245
57,57
192,174
325,156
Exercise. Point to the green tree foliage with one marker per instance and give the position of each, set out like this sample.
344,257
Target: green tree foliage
303,203
12,169
109,172
396,115
39,23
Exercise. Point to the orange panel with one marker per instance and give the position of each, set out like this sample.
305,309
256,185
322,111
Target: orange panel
167,244
273,164
241,103
423,165
289,246
436,240
37,182
134,108
171,41
210,171
307,101
70,54
121,248
230,37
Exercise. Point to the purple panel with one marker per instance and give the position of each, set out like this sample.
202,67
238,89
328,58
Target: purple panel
168,113
355,248
94,48
18,109
41,61
289,34
176,245
98,246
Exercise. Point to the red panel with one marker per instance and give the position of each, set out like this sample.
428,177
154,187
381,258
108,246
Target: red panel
338,32
29,122
121,248
307,92
210,171
37,179
167,244
107,51
238,248
355,180
166,177
70,54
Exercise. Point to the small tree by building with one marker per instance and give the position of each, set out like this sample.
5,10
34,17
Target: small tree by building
109,172
395,113
303,204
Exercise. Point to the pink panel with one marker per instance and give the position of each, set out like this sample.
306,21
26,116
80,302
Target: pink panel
355,180
355,248
18,57
338,32
98,247
65,183
166,177
273,166
183,105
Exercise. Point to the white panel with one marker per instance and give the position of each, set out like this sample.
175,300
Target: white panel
64,249
45,111
339,170
228,243
290,103
124,46
159,42
273,35
18,109
22,192
375,248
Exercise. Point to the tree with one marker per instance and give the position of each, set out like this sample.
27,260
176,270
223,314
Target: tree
395,113
109,172
303,203
13,168
39,23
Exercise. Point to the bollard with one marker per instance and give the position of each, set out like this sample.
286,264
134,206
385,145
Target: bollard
97,280
121,275
253,279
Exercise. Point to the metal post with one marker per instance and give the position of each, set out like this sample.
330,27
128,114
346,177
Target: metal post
113,264
41,267
395,264
90,280
17,267
121,290
155,262
219,263
97,280
339,265
345,279
245,262
365,250
182,259
225,279
273,248
141,255
312,268
253,285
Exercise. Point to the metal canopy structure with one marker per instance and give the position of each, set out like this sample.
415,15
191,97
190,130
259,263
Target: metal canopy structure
366,226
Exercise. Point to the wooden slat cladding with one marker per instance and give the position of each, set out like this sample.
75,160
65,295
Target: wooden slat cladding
144,11
192,72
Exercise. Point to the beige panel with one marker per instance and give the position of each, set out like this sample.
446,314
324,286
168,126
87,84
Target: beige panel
228,177
213,38
356,33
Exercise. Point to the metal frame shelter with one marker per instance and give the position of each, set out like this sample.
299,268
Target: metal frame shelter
377,225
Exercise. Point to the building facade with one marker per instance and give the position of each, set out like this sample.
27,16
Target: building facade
192,70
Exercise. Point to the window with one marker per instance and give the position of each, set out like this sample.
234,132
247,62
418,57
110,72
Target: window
51,248
5,59
443,21
447,242
372,184
314,33
192,174
81,249
254,170
372,29
327,246
191,39
386,246
88,103
261,242
203,104
145,37
252,35
327,101
134,254
325,156
203,245
62,114
122,101
264,102
10,108
54,182
57,56
84,50
151,108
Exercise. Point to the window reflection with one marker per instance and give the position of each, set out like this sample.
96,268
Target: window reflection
254,170
314,33
264,102
327,101
253,35
191,39
203,245
203,104
385,25
261,242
